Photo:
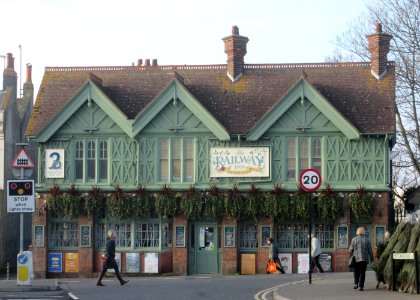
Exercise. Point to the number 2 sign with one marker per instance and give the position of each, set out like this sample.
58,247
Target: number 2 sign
310,180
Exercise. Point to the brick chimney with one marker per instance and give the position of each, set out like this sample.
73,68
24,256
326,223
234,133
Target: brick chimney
235,48
9,75
28,86
379,48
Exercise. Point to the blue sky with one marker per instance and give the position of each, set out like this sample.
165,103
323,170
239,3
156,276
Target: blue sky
115,33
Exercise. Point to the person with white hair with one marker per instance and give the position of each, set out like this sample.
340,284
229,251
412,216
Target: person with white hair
361,249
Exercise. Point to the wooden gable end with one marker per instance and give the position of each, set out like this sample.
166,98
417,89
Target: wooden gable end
176,109
90,110
303,108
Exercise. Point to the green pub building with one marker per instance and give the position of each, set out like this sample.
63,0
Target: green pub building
196,165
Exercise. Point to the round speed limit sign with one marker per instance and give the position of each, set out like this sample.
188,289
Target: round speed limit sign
310,180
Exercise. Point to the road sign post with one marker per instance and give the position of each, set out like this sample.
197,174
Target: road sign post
310,180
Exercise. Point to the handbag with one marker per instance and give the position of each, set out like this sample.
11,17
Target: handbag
271,266
352,261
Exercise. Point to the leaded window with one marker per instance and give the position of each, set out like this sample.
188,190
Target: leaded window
294,236
248,236
62,232
91,160
303,153
176,159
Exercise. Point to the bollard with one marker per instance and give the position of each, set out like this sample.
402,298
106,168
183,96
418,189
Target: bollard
7,271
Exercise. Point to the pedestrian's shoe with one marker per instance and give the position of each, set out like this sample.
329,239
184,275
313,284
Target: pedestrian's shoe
356,286
100,284
361,289
124,282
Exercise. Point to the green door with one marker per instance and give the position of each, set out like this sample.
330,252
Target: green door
205,248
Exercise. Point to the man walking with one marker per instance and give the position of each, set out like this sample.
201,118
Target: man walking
315,253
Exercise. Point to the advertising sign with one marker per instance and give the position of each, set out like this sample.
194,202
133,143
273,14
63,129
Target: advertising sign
132,262
55,262
151,263
240,162
72,263
286,262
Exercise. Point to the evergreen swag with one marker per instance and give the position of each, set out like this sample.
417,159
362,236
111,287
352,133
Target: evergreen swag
277,204
54,198
118,204
191,203
141,203
166,202
361,204
252,202
214,205
299,204
233,202
71,202
327,204
92,200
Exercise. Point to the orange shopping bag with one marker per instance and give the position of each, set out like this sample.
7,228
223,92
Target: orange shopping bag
271,266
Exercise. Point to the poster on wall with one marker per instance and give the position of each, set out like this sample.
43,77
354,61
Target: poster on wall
71,263
286,262
325,262
132,262
118,260
303,263
151,263
342,237
55,262
240,162
54,163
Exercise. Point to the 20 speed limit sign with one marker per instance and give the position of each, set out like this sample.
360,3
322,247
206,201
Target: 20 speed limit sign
310,180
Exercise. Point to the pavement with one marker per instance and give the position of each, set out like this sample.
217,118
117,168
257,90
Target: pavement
337,286
324,286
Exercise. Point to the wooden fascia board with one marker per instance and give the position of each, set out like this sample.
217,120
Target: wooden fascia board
88,92
303,88
176,90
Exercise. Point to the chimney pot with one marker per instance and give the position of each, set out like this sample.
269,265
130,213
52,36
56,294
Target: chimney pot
154,62
10,61
139,62
28,73
147,62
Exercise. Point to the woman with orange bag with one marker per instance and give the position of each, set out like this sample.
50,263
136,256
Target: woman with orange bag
273,255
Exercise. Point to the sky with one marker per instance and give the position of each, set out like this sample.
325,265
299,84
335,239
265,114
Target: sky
116,33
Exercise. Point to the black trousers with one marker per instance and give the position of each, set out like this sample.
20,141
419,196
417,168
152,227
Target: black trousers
315,262
360,273
110,263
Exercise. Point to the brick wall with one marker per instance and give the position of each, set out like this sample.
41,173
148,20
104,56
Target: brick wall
180,254
229,254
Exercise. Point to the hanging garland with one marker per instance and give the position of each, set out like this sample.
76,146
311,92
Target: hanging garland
361,204
233,202
166,203
54,198
118,204
252,202
327,204
71,202
191,203
141,203
300,204
214,205
92,200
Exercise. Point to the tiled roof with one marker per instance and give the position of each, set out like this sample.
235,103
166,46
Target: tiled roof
366,102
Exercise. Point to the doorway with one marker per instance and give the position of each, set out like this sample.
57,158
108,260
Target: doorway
203,248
